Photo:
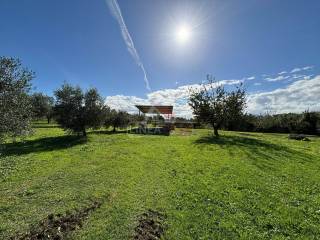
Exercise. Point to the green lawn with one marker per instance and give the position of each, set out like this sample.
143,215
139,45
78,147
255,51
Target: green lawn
241,186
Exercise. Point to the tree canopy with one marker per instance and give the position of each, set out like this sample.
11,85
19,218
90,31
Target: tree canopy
77,111
15,105
117,119
212,104
42,106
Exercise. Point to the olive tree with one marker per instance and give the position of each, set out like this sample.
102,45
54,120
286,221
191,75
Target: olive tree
213,105
42,106
15,105
76,111
117,119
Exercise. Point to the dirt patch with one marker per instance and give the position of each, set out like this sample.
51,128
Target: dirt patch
58,226
151,226
183,131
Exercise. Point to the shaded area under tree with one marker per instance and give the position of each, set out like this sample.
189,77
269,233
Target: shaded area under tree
263,154
42,145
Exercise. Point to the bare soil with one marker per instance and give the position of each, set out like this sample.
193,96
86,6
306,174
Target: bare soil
151,226
58,226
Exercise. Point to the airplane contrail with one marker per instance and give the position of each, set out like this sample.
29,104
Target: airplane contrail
116,12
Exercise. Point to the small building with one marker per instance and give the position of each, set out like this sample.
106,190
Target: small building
166,111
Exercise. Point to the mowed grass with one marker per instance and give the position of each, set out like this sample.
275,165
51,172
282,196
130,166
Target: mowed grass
240,186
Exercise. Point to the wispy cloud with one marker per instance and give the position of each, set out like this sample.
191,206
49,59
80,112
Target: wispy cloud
295,73
301,76
276,79
295,70
116,13
251,78
296,97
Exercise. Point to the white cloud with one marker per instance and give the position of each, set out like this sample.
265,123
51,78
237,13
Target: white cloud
307,68
295,70
125,103
301,69
251,78
293,74
301,76
176,97
257,84
279,78
296,97
116,12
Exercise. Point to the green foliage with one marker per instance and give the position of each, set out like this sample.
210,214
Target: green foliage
95,110
76,111
311,120
135,119
214,105
15,106
117,119
42,106
307,122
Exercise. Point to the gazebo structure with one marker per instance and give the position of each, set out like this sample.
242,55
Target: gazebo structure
156,109
165,127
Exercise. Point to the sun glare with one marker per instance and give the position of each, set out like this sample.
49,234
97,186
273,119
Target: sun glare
183,34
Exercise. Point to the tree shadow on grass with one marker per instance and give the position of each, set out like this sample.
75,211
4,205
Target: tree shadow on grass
41,145
44,126
263,154
237,141
108,132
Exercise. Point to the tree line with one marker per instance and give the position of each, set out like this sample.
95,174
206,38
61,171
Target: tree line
212,104
307,122
72,108
77,111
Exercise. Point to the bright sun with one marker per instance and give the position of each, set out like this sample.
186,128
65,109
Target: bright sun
183,34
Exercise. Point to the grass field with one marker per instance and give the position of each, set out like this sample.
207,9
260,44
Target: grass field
240,186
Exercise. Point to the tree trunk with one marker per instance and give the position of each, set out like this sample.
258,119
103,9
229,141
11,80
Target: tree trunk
84,133
48,118
114,128
215,131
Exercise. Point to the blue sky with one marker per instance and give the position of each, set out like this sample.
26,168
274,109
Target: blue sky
80,41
